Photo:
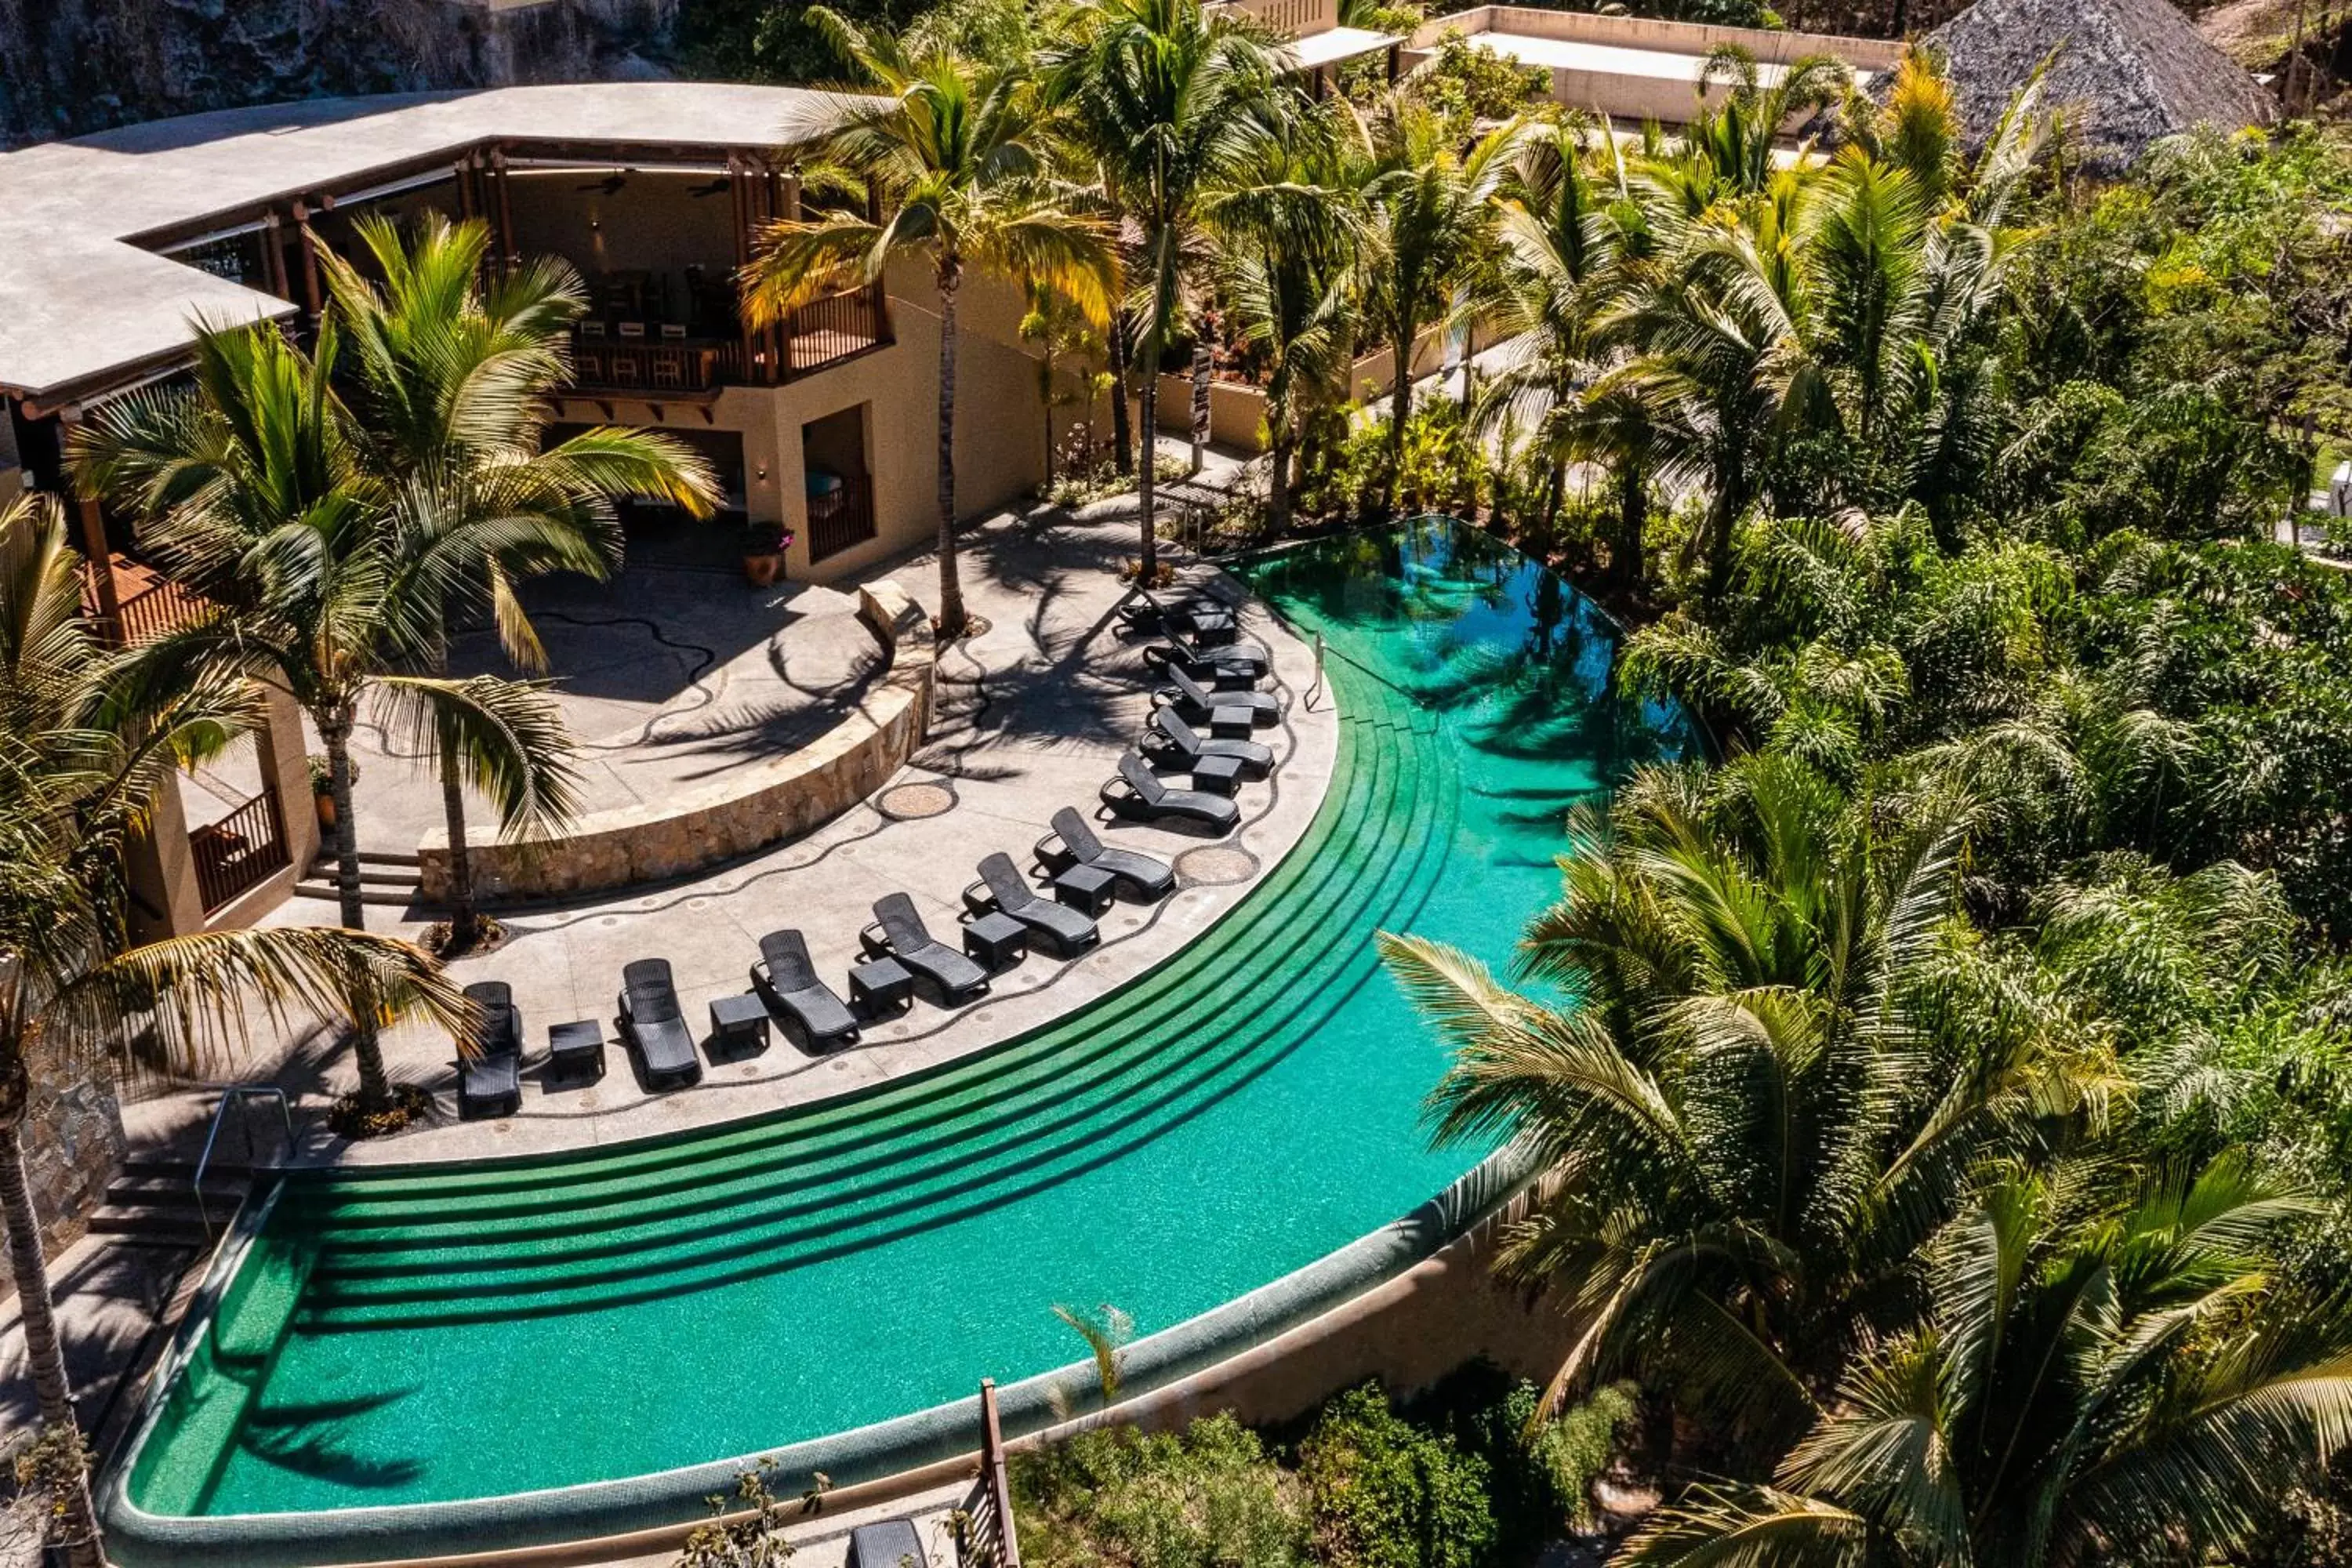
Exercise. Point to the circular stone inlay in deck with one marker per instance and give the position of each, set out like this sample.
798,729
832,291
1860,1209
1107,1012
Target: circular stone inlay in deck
1215,865
909,803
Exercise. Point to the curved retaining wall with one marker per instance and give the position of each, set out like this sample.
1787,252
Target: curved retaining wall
750,808
653,1508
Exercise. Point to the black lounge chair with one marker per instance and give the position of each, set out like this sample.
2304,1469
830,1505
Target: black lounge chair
1211,623
900,932
1072,843
1001,888
1137,794
653,1023
1169,736
1196,702
1236,669
490,1083
787,981
892,1544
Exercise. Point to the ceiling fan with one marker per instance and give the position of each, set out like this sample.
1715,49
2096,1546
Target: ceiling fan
610,185
717,188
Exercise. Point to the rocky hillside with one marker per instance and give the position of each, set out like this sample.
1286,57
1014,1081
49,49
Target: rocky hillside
72,65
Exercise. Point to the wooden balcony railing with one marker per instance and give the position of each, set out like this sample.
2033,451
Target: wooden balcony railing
648,366
842,518
238,851
1289,18
834,328
990,1539
153,612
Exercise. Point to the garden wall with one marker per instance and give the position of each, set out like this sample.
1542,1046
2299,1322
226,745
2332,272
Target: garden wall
750,808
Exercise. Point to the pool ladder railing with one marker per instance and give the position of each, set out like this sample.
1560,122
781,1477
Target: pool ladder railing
237,1094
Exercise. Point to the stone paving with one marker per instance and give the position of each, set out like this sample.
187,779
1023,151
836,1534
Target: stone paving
1033,715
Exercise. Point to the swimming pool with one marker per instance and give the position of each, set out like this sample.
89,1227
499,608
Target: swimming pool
421,1336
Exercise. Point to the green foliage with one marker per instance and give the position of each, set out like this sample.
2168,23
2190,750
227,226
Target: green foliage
1465,84
1540,1472
1207,1498
1386,1494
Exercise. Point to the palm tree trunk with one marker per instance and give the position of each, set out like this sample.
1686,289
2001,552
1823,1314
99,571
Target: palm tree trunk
1148,566
1122,434
44,1354
1400,411
465,921
335,733
951,617
1049,408
1634,515
1277,485
1202,364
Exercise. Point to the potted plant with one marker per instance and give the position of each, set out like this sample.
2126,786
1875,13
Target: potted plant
322,788
764,545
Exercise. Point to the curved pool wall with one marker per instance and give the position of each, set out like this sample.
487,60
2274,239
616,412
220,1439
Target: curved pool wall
415,1360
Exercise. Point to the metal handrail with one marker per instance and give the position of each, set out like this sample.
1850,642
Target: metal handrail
236,1093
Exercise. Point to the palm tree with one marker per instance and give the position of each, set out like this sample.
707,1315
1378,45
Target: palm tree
1563,211
84,758
1286,248
1431,226
2119,1380
1743,1127
1173,104
451,387
953,147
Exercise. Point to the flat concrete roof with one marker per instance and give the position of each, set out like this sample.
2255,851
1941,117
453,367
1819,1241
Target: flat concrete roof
1332,44
79,304
1613,59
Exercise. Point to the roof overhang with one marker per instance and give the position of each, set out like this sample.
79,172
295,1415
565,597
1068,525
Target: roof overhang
1336,45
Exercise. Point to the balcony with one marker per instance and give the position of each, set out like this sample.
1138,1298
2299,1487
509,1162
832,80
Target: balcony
639,359
842,517
147,603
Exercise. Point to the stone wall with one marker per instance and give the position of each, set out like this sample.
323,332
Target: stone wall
67,67
73,1143
747,809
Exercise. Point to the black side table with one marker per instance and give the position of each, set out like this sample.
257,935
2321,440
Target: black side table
880,986
1232,724
738,1024
995,940
576,1048
1217,775
1088,888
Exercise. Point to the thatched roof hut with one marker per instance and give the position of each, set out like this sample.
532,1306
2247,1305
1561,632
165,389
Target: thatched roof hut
2125,72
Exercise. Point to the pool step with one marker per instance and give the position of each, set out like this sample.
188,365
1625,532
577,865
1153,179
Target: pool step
388,878
1384,862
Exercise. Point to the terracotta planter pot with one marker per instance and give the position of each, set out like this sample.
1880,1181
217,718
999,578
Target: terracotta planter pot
326,806
759,571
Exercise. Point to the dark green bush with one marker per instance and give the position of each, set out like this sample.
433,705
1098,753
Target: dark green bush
1383,1493
1210,1497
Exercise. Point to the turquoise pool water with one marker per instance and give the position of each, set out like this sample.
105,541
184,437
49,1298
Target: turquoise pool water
1253,1105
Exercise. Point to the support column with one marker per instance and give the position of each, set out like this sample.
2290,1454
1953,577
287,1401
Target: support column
312,299
779,332
878,292
162,869
286,773
273,256
505,225
739,189
96,551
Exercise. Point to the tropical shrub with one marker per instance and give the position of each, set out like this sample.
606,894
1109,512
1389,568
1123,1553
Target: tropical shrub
1383,1493
1207,1498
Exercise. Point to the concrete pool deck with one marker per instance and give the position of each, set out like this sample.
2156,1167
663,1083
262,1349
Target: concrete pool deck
1031,716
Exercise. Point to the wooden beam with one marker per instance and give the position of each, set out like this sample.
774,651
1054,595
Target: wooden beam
311,296
96,551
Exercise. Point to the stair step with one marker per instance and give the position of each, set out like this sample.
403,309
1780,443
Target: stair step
326,858
185,1170
382,896
179,1230
129,1195
379,876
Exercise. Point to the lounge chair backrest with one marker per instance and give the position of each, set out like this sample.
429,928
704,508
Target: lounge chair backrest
787,956
1075,835
1191,689
1142,780
487,994
1173,725
653,994
1005,883
901,924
